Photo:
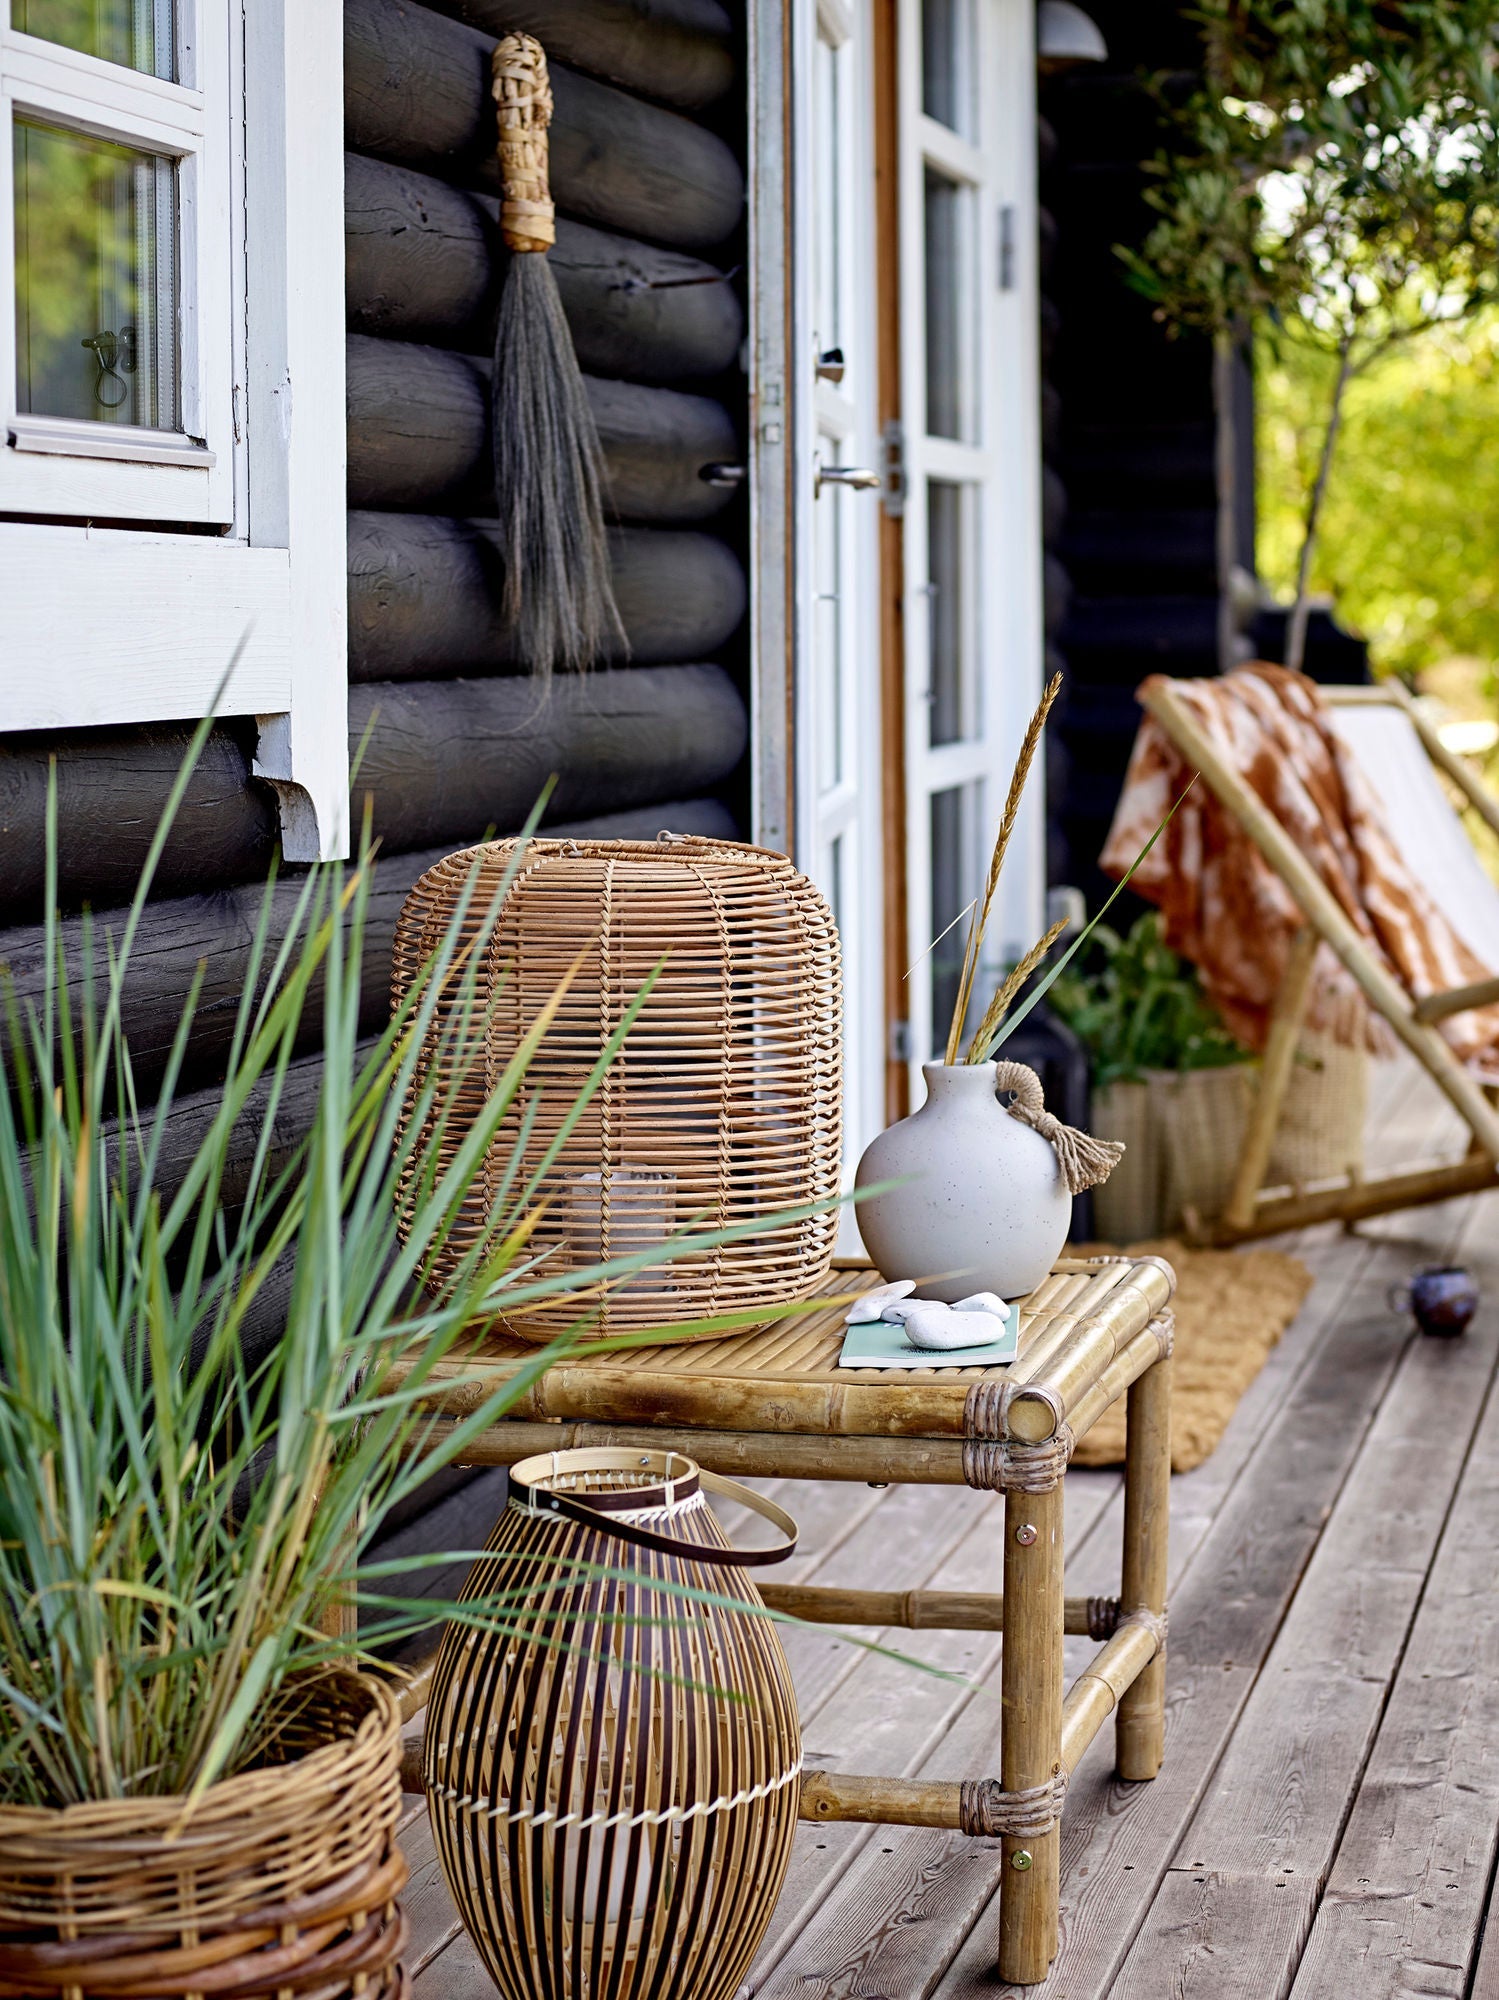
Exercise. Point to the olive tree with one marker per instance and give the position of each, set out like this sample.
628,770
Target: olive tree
1334,177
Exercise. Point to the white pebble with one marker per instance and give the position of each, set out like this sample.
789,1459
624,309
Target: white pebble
983,1302
871,1305
940,1329
900,1310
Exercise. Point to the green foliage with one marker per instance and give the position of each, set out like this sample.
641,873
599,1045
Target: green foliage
1141,1009
1338,171
176,1512
1409,544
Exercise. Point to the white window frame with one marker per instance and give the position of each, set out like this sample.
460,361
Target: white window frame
1000,467
234,594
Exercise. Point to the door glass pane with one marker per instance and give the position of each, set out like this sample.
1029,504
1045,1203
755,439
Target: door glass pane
954,822
950,586
948,402
140,34
829,638
947,66
827,207
96,279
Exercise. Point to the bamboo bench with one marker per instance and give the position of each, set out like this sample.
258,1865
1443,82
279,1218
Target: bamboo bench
774,1403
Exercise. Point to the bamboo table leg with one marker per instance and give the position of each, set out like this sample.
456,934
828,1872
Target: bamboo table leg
1031,1739
1140,1728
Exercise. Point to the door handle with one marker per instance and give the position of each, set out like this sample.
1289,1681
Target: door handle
861,477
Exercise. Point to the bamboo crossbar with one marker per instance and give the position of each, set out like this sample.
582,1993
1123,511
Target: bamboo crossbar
1457,1000
915,1610
1352,1201
1318,905
837,1795
748,1454
1098,1689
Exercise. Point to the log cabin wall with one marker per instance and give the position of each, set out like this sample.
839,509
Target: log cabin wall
1129,426
648,175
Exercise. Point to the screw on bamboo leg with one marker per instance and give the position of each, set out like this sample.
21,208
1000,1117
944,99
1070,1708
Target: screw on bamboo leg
1276,1066
1031,1742
1140,1730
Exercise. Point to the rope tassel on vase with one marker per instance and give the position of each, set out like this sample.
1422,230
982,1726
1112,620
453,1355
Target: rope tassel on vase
1084,1160
549,470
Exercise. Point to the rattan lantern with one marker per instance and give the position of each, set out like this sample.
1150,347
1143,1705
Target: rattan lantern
725,1103
613,1768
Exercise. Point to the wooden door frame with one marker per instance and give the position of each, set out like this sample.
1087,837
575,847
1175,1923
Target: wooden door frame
885,46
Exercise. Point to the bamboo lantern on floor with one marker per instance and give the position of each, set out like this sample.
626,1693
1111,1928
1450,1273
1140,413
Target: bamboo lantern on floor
613,1768
724,1104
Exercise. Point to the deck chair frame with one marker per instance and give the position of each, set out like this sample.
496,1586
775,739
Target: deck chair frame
1250,1211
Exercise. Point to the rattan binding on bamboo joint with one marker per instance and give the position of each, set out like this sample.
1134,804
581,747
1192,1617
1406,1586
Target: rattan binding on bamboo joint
986,1809
281,1880
522,93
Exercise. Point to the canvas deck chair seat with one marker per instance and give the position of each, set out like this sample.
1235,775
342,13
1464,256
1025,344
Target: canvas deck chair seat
1406,765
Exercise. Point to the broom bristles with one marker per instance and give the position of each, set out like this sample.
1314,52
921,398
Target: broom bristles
549,484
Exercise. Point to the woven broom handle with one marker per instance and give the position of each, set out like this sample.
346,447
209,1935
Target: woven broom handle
523,96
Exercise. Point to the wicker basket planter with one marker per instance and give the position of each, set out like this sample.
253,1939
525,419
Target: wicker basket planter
1128,1206
725,1103
280,1881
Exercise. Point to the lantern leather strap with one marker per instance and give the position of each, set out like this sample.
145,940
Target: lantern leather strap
540,1500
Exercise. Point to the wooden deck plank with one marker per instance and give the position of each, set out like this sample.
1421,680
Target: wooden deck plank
1406,1895
1118,1839
1284,1786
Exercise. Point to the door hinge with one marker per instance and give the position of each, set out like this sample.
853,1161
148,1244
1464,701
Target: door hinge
900,1041
893,467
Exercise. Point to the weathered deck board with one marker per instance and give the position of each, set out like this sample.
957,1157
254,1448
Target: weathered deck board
1314,1584
1406,1894
1301,1743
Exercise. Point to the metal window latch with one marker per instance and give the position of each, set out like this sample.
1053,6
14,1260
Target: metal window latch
901,1045
830,365
893,468
863,478
718,474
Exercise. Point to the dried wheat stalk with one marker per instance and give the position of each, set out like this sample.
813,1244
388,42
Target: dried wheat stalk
980,918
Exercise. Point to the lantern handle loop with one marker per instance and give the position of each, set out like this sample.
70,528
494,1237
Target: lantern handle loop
572,1507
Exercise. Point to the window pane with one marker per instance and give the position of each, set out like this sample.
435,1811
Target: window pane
949,598
947,63
140,34
96,257
954,822
947,399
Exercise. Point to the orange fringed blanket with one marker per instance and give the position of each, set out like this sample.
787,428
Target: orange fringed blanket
1227,910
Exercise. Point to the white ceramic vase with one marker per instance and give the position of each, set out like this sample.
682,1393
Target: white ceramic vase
983,1206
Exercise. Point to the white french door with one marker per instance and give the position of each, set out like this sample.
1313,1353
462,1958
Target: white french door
970,398
838,750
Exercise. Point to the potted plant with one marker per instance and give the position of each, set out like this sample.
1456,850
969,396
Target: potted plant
199,1780
1168,1079
1174,1085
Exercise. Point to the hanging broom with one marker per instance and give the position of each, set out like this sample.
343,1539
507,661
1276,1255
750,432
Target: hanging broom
548,465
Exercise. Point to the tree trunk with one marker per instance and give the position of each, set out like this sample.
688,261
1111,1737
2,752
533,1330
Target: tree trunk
1295,649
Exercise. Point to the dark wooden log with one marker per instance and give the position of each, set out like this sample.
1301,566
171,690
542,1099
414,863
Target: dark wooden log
112,785
215,930
416,90
448,758
424,261
424,595
678,50
419,436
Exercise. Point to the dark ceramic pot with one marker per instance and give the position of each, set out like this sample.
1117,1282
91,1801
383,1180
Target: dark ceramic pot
1442,1298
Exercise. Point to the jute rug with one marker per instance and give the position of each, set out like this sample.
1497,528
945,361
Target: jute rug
1232,1306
